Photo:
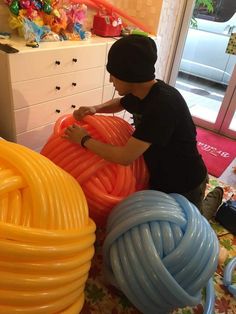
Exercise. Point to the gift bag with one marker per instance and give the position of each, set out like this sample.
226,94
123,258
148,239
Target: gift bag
107,24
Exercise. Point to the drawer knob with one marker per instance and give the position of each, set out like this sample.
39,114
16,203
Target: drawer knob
74,60
58,87
58,110
57,62
74,84
73,106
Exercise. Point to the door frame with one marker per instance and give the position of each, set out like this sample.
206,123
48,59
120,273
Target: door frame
183,27
227,107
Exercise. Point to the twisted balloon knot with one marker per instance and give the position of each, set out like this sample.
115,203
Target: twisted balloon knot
159,251
105,184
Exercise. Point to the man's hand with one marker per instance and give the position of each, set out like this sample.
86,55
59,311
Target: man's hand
80,113
74,133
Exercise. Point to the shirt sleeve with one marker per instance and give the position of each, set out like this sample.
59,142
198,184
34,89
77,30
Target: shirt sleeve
130,103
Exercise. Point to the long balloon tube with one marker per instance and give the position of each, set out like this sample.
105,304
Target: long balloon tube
210,298
104,183
176,240
46,235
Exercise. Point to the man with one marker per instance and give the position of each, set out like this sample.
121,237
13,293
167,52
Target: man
164,132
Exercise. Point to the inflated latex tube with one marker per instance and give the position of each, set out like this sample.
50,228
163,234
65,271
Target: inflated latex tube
160,252
105,184
210,298
46,235
228,273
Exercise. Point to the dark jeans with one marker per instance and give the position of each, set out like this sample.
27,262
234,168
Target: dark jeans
208,205
197,195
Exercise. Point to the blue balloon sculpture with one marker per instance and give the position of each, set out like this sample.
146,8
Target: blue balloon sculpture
160,252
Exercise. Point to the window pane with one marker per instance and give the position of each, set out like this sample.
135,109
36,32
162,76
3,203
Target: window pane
223,10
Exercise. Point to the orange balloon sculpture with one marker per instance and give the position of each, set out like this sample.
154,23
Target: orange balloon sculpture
46,235
104,183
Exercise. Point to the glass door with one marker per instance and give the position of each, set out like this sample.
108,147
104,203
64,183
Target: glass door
206,69
227,125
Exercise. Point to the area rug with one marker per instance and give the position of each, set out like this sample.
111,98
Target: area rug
217,151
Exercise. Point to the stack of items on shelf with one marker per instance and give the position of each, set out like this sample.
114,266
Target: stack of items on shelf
54,20
47,20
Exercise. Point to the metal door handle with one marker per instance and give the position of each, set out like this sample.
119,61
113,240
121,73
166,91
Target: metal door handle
231,29
227,29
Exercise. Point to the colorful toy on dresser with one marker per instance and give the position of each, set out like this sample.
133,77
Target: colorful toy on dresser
47,20
53,20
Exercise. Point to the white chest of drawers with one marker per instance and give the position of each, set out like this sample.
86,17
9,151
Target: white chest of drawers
38,85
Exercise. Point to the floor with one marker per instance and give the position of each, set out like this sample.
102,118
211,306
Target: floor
203,97
229,175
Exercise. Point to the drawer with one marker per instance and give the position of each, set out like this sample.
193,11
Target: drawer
37,63
28,93
35,138
38,115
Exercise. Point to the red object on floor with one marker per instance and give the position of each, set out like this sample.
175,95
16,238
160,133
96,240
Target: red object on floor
217,151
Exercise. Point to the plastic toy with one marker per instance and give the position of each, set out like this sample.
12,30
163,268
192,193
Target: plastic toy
45,18
57,22
160,252
46,235
104,183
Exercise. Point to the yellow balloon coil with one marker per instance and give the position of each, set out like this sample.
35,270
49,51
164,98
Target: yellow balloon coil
46,235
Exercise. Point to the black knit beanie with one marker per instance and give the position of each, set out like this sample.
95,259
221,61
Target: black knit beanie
132,59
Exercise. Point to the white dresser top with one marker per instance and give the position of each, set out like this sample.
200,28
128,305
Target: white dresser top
19,43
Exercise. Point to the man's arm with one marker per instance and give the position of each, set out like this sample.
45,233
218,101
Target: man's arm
123,155
111,106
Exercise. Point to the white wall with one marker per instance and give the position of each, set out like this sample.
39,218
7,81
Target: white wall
168,35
